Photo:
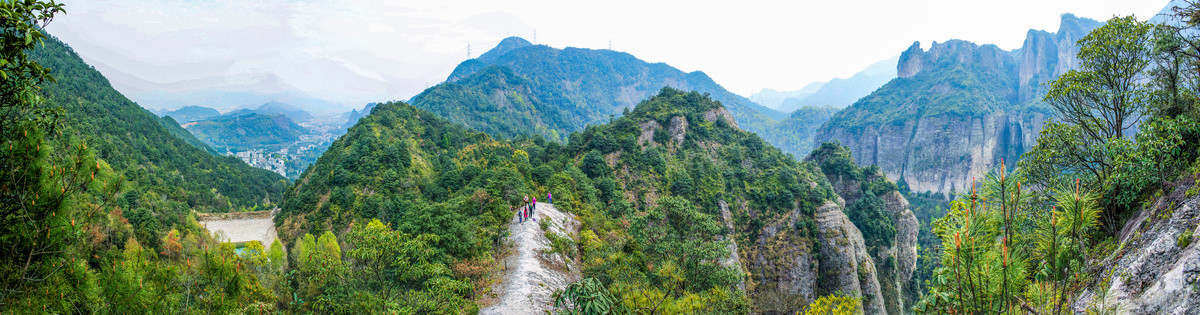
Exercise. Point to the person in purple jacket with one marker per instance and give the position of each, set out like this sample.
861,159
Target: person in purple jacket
549,198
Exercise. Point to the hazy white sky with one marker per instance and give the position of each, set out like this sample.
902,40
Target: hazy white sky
354,52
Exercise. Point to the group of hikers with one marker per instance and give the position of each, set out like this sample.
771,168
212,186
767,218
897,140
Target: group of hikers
526,211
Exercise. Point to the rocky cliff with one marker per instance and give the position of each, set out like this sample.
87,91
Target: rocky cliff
957,109
790,264
1156,267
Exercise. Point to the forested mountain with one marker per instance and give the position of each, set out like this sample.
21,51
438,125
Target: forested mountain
275,109
794,134
247,130
520,88
729,205
132,140
189,114
99,194
957,109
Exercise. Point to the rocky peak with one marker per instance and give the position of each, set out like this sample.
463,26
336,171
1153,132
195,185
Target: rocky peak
952,52
1045,56
910,61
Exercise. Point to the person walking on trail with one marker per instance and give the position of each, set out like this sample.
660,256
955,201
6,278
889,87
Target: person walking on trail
549,198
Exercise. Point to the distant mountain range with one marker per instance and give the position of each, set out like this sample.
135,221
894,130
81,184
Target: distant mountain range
274,108
837,93
521,88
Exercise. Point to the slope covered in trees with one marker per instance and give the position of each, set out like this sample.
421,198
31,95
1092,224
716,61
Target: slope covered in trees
97,195
536,89
672,197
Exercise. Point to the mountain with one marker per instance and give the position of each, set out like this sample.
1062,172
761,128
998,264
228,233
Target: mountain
774,99
167,173
519,88
189,114
794,134
179,132
647,185
246,130
840,93
274,108
957,109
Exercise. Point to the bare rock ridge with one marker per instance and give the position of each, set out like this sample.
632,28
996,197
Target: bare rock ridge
532,273
957,109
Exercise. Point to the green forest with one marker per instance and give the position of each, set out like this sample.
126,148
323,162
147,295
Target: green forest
408,212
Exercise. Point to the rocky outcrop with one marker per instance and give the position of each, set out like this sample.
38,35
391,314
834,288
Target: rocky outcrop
721,113
647,134
913,61
733,260
783,264
900,260
957,109
678,129
1156,269
847,267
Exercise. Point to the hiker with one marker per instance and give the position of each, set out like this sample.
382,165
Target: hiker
549,198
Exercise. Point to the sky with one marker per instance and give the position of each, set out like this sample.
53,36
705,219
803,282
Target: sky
170,53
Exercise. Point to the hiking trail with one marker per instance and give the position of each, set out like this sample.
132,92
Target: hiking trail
532,272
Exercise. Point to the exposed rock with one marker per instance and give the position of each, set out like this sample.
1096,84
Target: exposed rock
723,113
899,260
845,265
1151,273
733,260
910,61
941,153
648,129
678,129
936,150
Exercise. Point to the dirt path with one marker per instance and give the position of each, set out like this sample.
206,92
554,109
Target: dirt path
532,273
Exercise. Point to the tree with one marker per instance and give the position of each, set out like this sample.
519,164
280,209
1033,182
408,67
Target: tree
1096,105
38,222
1105,96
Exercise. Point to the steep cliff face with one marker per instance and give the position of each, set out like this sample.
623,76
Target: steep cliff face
942,153
1156,268
957,109
791,263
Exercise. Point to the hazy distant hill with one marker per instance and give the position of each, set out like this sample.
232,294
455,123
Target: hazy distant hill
274,108
840,93
188,114
520,88
774,99
246,130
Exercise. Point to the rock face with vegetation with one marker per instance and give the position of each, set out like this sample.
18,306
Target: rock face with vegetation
957,109
1156,267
